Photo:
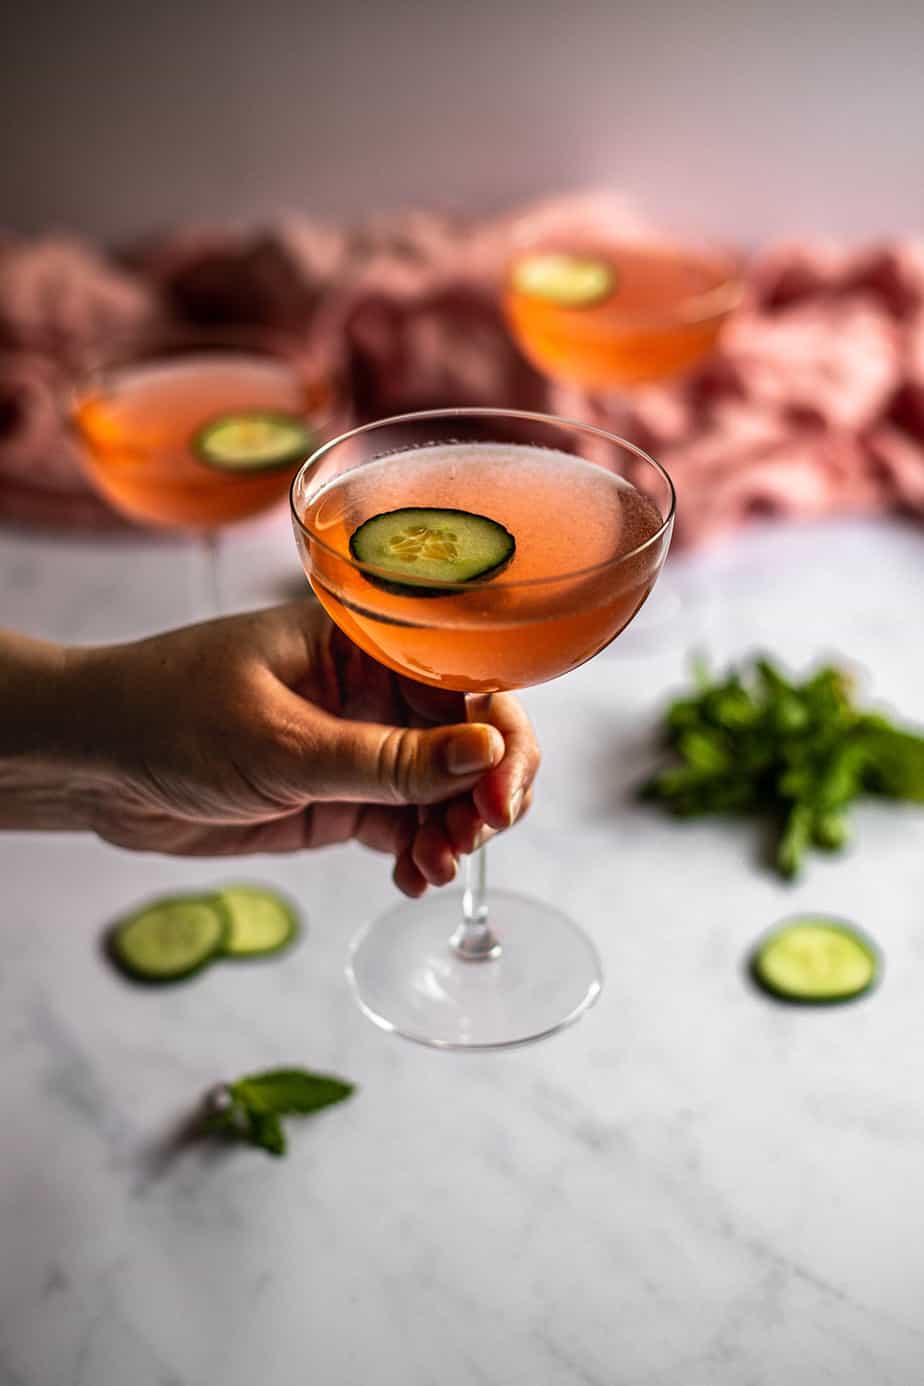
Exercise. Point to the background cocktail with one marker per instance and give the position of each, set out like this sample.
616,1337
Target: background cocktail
636,312
557,603
140,421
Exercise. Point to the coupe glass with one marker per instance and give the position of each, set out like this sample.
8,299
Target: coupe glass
591,517
645,311
140,408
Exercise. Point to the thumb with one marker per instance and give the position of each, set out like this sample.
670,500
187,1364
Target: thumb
366,762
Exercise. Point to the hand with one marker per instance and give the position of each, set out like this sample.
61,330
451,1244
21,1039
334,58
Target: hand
272,732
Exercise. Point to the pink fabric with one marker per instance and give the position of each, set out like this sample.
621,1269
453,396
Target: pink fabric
59,297
60,303
813,404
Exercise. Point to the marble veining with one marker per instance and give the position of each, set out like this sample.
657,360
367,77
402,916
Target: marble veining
693,1187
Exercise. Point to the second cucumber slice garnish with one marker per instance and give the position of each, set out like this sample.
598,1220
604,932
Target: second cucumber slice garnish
568,281
816,960
432,546
261,922
254,440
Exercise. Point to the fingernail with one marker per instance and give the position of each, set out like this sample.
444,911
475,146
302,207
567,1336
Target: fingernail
514,806
473,748
483,837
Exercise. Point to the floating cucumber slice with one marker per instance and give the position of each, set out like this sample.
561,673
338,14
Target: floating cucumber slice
170,938
816,960
261,922
255,440
569,281
434,545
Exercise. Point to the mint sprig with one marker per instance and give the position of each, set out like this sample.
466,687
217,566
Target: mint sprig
250,1108
795,752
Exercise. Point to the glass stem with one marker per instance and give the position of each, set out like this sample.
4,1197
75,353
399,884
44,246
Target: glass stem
210,560
474,940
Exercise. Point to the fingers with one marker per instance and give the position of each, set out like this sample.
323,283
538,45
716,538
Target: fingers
433,705
332,758
432,853
389,830
407,877
426,852
382,829
501,794
327,758
465,828
375,826
445,833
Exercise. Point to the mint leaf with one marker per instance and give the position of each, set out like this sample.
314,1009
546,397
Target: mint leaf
288,1091
267,1133
795,839
895,765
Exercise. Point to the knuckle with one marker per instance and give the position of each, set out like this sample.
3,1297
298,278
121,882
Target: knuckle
398,767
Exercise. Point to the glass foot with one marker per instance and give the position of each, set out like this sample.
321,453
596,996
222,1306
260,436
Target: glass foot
407,978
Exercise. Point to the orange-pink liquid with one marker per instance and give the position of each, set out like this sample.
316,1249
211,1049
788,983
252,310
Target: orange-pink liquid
568,516
663,315
139,426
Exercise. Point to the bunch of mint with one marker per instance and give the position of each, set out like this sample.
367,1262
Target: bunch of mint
250,1109
758,743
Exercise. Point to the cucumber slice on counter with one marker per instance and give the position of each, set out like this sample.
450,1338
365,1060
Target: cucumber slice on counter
816,960
171,938
452,546
569,281
261,922
253,441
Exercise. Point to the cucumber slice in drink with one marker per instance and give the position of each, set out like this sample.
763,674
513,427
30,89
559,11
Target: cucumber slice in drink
255,440
816,960
568,281
261,922
170,938
435,546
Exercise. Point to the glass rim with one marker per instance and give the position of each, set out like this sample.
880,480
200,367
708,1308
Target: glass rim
475,411
121,354
152,344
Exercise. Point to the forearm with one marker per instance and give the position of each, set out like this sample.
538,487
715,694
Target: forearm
49,763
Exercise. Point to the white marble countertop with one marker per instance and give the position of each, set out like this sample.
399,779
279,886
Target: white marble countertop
692,1187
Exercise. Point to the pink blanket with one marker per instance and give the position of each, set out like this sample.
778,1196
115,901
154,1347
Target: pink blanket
813,404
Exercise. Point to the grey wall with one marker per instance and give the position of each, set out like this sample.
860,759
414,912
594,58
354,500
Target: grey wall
750,119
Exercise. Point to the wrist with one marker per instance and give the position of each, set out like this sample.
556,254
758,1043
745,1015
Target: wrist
51,765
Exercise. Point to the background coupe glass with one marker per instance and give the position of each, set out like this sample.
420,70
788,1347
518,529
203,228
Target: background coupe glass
608,315
142,414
